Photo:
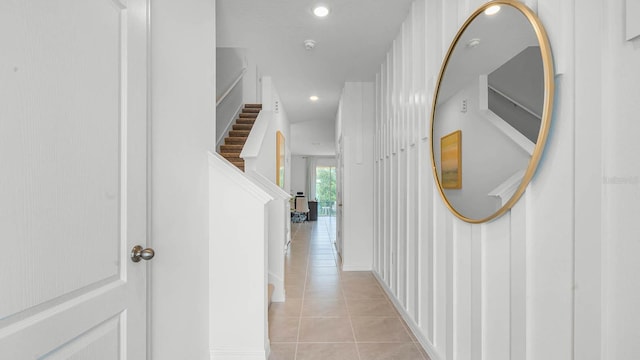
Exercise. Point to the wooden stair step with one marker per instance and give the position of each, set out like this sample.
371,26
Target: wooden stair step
248,115
231,155
239,133
235,140
242,127
246,121
251,110
259,106
231,148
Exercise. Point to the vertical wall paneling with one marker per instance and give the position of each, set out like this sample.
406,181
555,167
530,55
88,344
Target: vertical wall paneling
440,237
359,140
446,342
558,19
388,86
464,9
496,294
408,80
394,82
502,290
518,285
376,173
621,184
476,292
420,67
394,224
387,220
462,272
588,178
450,24
425,243
402,106
550,273
384,79
412,238
402,196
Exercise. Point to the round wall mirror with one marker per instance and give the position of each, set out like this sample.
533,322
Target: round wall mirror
491,110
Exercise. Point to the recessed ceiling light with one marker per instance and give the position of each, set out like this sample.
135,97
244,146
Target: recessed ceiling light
313,98
321,11
491,10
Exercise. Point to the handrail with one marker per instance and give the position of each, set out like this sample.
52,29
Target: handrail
233,85
514,102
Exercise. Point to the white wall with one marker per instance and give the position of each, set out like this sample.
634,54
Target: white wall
313,138
298,174
230,63
239,262
356,127
183,130
265,162
554,277
614,131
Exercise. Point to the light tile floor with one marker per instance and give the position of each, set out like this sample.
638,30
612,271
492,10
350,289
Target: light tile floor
330,314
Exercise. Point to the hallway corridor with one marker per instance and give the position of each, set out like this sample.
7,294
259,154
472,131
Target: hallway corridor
330,314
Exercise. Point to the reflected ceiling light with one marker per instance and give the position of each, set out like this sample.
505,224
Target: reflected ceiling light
313,98
321,11
492,10
473,43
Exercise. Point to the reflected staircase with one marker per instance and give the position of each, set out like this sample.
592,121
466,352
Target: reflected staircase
235,140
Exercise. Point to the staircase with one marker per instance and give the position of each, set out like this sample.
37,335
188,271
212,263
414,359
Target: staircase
238,134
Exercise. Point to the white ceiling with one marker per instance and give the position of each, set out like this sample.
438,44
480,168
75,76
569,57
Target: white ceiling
351,43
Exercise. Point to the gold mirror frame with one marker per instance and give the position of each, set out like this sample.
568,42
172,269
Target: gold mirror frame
549,88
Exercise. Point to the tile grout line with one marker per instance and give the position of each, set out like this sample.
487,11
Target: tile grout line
304,290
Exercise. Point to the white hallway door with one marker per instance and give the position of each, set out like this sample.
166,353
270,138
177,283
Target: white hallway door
73,179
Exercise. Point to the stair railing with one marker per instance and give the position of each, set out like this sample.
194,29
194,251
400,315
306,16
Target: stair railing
233,85
228,107
507,129
514,102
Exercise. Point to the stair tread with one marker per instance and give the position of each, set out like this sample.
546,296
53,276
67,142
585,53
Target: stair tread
231,148
251,110
242,126
253,106
248,115
239,133
235,140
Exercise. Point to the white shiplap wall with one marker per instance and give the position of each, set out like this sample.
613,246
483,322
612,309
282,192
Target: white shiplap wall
502,290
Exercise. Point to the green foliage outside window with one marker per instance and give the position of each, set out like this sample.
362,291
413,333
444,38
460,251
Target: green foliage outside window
326,190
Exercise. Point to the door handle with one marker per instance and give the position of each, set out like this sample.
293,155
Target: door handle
139,253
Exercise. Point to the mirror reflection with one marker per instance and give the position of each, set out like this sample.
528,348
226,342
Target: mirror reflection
491,110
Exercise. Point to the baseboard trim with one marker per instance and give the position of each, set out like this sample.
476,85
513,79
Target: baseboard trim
413,326
238,354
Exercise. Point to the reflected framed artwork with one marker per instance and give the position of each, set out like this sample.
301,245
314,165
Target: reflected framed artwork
280,159
451,160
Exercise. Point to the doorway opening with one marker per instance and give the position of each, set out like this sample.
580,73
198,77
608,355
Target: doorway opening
326,190
326,195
